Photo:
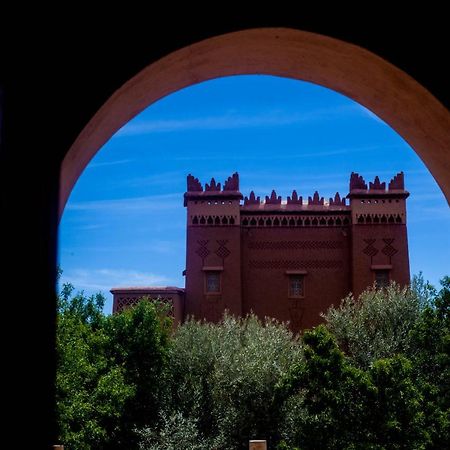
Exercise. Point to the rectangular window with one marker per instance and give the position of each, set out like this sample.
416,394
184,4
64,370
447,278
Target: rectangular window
296,286
381,278
212,282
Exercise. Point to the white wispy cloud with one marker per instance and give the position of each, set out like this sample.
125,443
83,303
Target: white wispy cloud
241,154
93,165
105,279
159,247
148,203
157,179
233,121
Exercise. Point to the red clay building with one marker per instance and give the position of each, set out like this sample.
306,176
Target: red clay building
286,259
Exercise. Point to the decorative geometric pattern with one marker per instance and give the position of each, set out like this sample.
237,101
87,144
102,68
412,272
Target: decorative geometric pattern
126,302
295,245
202,251
222,251
388,249
294,220
295,264
213,220
370,250
382,219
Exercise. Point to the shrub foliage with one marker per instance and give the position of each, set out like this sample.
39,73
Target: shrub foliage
375,375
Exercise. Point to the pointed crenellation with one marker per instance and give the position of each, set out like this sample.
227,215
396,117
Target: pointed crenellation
337,201
398,182
377,185
193,184
315,200
252,199
212,186
357,182
273,199
232,183
295,199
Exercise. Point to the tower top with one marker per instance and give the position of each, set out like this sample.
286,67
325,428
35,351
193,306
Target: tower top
213,190
358,187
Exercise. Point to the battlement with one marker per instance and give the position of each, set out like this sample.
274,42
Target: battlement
214,193
213,190
358,187
231,184
293,202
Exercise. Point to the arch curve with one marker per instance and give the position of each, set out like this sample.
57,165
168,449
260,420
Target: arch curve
404,104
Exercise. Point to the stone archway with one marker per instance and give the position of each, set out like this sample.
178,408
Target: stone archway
384,89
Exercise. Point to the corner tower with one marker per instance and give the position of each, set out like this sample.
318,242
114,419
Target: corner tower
379,237
213,248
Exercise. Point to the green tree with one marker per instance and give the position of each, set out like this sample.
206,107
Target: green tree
326,399
431,364
139,340
397,419
223,379
90,387
379,322
110,370
332,404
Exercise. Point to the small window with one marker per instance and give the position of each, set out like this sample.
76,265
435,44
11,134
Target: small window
296,286
381,278
212,282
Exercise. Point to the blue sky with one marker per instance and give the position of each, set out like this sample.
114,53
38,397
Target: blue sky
124,224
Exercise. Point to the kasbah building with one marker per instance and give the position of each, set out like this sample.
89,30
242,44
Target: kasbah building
288,259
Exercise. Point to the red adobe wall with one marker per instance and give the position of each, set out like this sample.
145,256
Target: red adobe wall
213,242
268,254
124,297
379,235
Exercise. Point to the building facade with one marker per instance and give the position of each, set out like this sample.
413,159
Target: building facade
289,259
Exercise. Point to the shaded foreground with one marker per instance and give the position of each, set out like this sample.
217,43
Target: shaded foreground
374,376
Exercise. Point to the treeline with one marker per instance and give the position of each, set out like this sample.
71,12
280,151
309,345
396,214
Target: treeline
374,376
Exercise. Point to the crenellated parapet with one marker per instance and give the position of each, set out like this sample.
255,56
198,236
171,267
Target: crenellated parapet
232,183
212,186
337,201
357,182
293,201
378,205
377,185
316,200
213,191
359,186
398,182
273,199
252,199
193,184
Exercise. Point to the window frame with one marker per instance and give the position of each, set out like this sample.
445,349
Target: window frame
208,271
299,275
387,280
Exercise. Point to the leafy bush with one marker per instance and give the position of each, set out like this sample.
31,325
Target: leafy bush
379,322
375,376
334,405
223,379
176,432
